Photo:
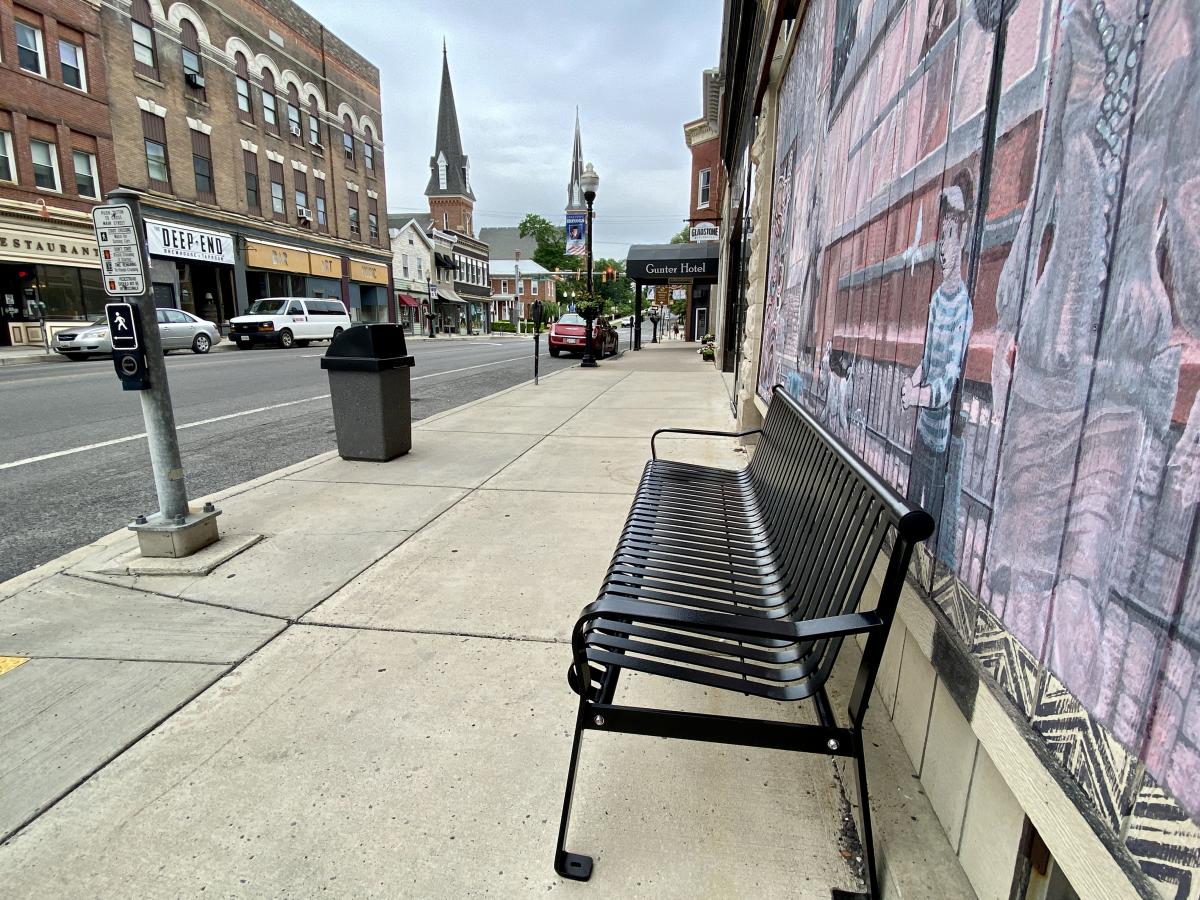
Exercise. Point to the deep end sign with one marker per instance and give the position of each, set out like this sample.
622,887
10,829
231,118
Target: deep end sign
200,244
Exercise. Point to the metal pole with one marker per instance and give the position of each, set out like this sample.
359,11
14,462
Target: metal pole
588,360
637,315
156,402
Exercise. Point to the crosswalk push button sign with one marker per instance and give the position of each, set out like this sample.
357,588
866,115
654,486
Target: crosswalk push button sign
121,326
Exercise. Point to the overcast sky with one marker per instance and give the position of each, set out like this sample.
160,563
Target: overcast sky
519,69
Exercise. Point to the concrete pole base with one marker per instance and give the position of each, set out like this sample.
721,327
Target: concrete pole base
158,537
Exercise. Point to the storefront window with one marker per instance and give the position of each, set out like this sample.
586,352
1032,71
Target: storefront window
59,290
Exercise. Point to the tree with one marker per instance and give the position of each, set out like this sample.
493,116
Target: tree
551,243
684,236
618,290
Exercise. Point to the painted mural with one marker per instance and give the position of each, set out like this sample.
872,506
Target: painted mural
984,274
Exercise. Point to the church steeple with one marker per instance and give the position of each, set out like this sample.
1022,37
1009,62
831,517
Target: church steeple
575,201
451,199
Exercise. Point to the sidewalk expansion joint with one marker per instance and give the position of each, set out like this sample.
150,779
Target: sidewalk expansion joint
437,631
94,579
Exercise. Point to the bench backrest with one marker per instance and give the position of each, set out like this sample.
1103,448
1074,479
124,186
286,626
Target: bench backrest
829,517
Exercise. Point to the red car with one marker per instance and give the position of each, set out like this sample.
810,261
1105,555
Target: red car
569,335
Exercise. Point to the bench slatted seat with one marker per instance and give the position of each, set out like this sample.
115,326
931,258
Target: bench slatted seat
746,581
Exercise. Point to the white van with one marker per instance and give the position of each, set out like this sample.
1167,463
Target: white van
289,322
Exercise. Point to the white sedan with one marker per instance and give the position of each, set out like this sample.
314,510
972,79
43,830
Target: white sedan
179,330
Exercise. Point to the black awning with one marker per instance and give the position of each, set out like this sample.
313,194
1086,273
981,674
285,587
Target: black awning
445,262
668,263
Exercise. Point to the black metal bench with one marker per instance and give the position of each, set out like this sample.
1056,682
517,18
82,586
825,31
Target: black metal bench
746,581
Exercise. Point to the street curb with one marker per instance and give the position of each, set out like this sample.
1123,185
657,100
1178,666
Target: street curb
60,564
32,359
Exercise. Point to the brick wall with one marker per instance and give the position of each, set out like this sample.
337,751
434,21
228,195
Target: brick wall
48,108
706,155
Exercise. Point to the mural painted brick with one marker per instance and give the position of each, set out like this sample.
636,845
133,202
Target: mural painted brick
990,288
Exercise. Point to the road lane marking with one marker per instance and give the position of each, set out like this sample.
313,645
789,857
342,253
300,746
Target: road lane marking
246,412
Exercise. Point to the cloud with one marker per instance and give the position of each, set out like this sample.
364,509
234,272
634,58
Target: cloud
519,69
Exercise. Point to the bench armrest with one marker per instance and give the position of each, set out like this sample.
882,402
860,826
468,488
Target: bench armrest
701,431
738,626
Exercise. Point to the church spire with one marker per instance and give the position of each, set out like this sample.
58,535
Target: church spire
575,201
449,167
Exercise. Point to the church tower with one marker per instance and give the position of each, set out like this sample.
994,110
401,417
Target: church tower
451,201
575,201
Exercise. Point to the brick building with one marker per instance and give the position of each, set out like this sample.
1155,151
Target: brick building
56,160
701,136
517,283
254,135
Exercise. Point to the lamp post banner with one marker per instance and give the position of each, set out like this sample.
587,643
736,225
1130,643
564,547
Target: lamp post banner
576,234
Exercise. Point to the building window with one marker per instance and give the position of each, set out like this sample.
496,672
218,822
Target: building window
30,51
702,188
533,286
7,170
322,216
314,125
270,116
242,79
503,285
441,164
87,184
74,72
353,202
373,219
45,165
420,270
158,166
348,141
202,166
145,57
295,129
368,151
300,185
250,163
278,201
193,68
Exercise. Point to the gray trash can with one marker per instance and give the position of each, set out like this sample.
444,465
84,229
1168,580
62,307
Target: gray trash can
369,384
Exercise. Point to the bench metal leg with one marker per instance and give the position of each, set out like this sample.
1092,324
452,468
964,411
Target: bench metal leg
864,803
572,865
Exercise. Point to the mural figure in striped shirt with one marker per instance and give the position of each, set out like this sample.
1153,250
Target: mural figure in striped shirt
931,387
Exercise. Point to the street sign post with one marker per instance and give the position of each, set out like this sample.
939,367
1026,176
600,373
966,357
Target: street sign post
138,358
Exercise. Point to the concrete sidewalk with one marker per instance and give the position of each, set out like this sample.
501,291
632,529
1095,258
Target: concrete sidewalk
361,690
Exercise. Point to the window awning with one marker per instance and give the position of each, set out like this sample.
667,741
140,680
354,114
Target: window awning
445,295
406,300
445,262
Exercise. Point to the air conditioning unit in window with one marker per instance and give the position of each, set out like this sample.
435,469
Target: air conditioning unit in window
304,214
295,129
194,80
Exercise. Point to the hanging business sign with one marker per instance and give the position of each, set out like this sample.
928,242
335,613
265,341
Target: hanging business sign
186,242
705,231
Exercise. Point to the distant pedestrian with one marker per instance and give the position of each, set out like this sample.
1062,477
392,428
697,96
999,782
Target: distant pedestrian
675,328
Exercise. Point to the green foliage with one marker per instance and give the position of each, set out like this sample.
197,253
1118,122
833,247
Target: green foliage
551,243
684,236
591,306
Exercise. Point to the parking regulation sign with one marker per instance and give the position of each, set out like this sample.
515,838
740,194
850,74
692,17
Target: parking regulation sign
121,267
121,327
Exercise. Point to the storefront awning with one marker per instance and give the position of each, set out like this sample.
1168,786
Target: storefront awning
669,263
445,295
406,300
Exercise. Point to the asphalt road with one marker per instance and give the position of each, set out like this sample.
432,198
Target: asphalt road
73,466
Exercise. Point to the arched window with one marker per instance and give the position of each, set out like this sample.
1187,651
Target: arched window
145,55
270,113
293,113
242,79
193,66
314,124
368,151
348,140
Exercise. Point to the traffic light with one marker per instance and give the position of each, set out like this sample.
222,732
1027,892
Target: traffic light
610,273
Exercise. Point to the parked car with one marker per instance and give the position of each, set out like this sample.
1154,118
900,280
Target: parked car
178,330
569,335
289,322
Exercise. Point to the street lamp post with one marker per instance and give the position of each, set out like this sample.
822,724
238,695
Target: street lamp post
589,181
654,313
432,306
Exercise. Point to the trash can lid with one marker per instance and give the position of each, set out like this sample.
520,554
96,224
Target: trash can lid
368,348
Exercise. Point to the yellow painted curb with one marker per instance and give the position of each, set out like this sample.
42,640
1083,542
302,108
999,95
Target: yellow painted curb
8,663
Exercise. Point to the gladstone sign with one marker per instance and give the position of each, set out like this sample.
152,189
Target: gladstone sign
186,242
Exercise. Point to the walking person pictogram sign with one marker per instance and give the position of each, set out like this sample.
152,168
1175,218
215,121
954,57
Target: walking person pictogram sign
122,329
